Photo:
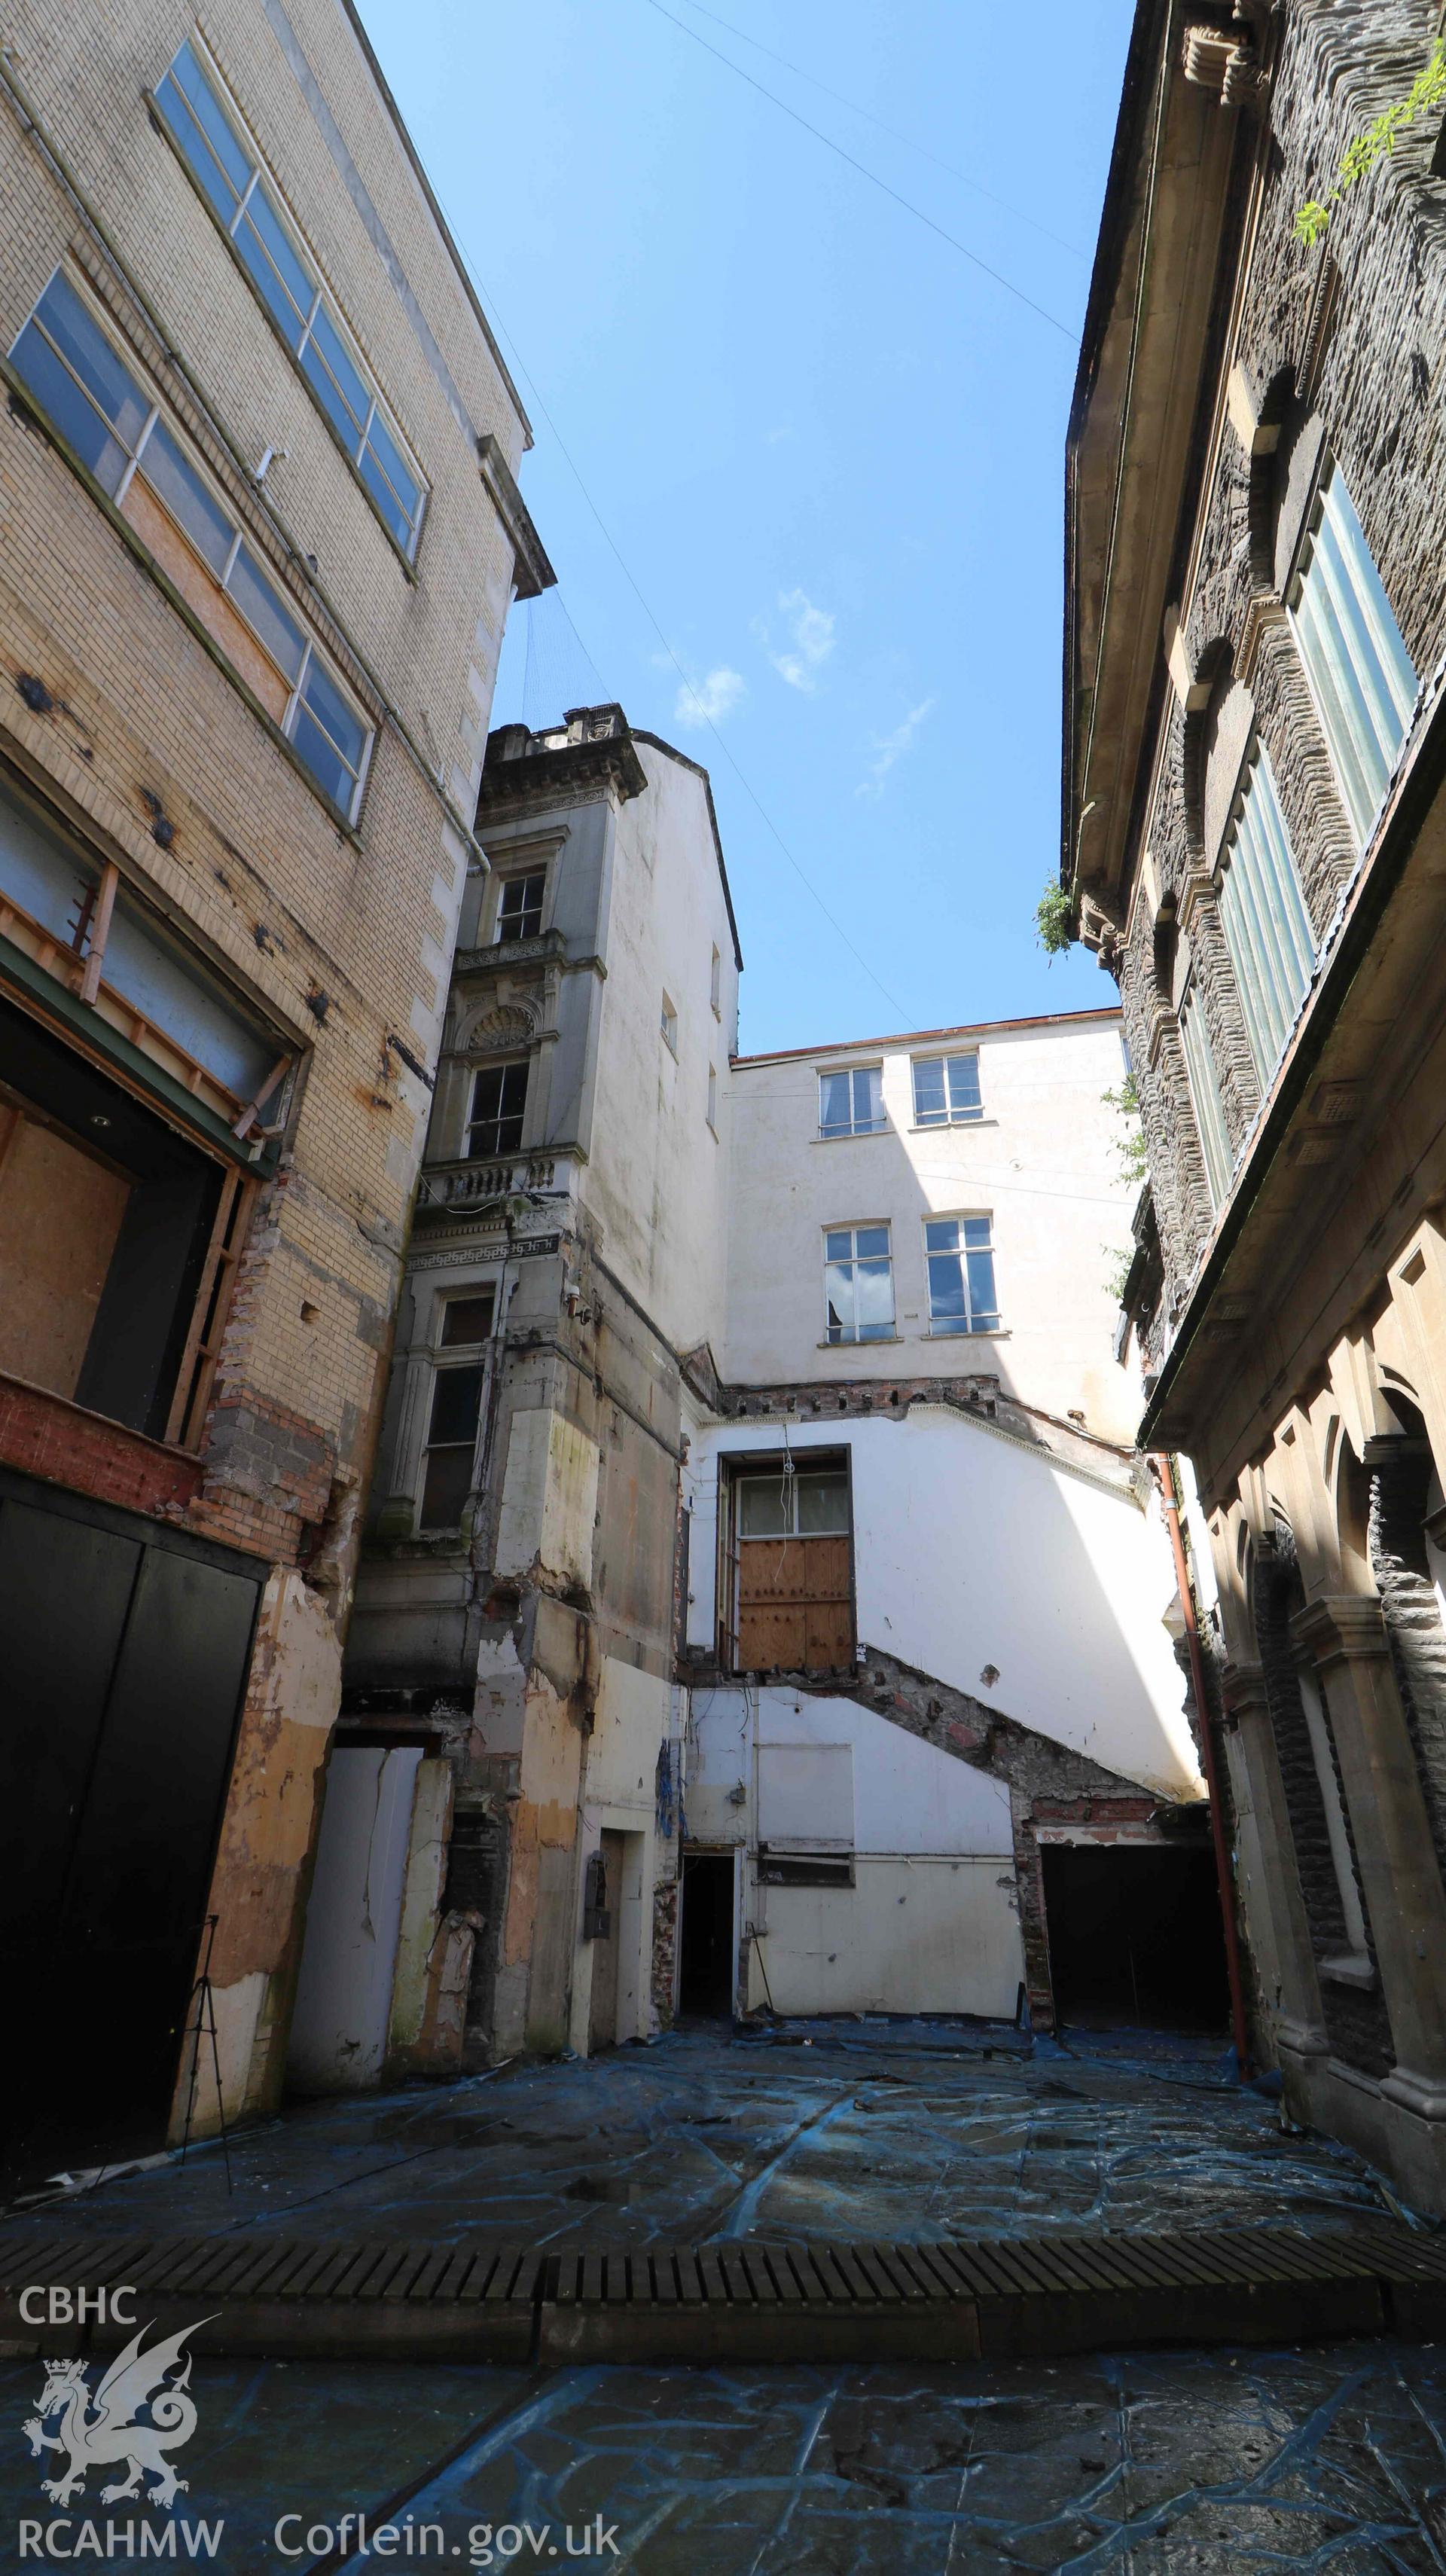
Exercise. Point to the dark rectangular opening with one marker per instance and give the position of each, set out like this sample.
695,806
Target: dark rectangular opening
706,1962
1134,1936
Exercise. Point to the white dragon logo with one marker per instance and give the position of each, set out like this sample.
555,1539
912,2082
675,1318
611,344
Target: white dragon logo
104,2427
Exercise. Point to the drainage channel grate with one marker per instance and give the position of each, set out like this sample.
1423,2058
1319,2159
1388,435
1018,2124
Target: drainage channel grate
958,2299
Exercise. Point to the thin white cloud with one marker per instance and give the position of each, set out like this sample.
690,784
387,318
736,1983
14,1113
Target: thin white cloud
809,642
890,747
708,701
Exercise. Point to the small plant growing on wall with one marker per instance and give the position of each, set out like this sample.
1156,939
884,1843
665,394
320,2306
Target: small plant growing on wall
1364,150
1056,921
1130,1152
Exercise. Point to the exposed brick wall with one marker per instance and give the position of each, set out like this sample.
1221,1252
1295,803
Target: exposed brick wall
1048,1783
665,1950
42,1435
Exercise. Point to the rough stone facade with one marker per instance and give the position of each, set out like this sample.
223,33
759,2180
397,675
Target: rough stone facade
1292,1319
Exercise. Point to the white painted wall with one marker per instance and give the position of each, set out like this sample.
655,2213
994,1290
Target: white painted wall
658,1174
972,1550
1042,1163
353,1921
930,1924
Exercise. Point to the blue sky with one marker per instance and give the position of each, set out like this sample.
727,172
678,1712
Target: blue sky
828,449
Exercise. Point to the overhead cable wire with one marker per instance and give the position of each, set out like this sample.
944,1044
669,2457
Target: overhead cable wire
910,141
749,790
865,172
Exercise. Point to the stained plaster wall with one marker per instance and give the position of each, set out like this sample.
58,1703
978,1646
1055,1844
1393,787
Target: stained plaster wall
930,1924
1043,1163
972,1551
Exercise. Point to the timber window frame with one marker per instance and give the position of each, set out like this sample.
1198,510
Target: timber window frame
1205,1100
963,1292
519,907
851,1102
117,431
1361,677
785,1576
1263,915
497,1118
858,1273
463,1332
946,1089
229,172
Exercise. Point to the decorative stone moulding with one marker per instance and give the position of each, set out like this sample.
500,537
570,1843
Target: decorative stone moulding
1222,56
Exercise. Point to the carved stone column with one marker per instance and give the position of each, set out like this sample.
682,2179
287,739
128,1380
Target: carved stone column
1299,2021
1344,1637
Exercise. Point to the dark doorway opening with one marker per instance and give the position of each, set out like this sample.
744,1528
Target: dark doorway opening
125,1650
1135,1937
705,1983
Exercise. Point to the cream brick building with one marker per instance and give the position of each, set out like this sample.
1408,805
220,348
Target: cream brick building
261,531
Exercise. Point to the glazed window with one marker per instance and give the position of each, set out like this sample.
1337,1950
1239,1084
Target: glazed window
451,1444
669,1025
247,205
118,434
1205,1094
852,1103
858,1279
715,985
519,906
1361,676
1263,915
959,1254
713,1098
499,1105
946,1090
467,1320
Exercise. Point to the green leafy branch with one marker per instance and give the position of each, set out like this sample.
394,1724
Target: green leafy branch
1056,920
1130,1150
1364,150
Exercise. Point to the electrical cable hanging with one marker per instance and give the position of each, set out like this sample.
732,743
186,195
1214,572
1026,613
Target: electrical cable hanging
749,790
910,141
872,176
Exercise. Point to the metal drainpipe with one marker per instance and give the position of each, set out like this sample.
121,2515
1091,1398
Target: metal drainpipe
1164,1474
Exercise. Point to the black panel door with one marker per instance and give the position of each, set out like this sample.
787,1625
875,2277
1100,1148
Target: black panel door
123,1660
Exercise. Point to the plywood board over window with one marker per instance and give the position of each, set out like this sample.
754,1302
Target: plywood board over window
793,1557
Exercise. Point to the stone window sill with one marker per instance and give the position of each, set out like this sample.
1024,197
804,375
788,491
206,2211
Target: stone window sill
1354,1969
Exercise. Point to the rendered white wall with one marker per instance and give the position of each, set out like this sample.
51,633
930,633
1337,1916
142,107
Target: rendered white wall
658,1173
1043,1164
930,1923
971,1550
353,1920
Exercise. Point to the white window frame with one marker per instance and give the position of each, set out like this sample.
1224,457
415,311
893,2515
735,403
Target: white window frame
518,876
853,1336
946,1328
443,1358
1263,915
713,1097
668,1024
1360,675
949,1116
323,300
135,455
1205,1097
715,985
851,1074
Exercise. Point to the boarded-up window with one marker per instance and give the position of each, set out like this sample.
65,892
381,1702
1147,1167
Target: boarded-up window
806,1797
793,1570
